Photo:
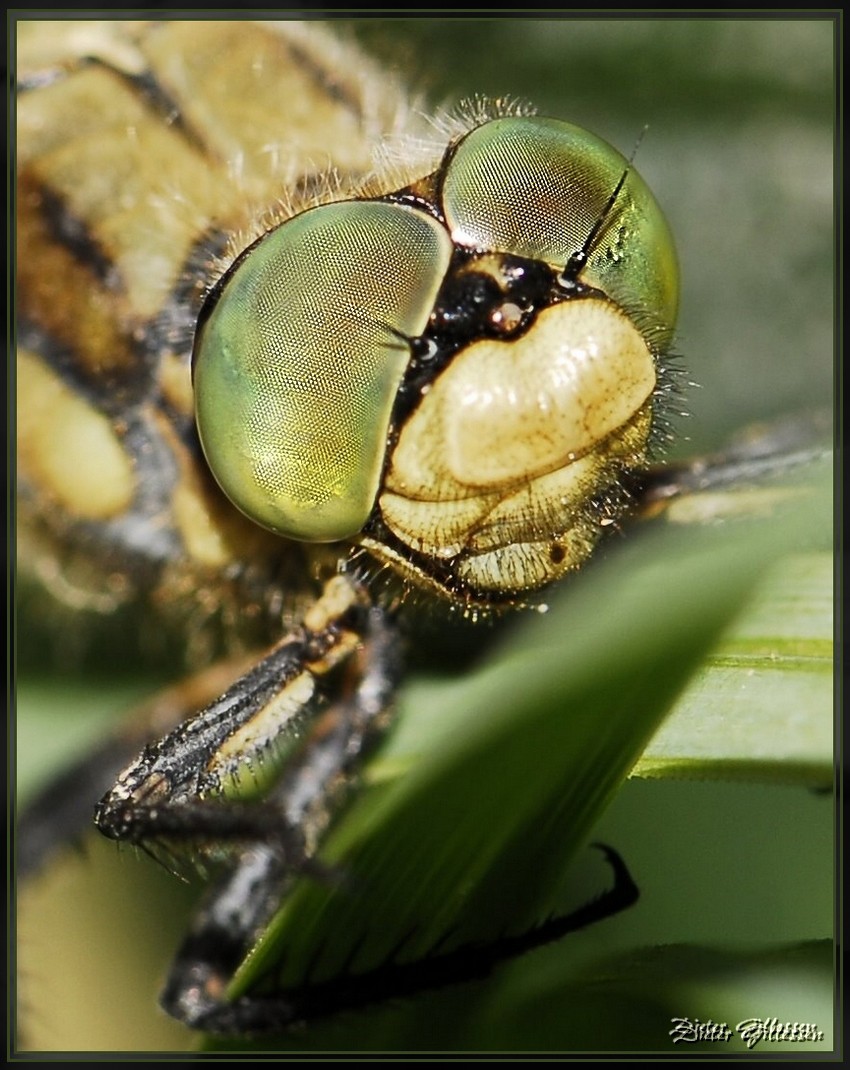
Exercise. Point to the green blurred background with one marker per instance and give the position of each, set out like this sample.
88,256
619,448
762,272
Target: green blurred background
740,153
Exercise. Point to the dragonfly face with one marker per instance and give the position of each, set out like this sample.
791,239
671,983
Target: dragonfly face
276,372
487,390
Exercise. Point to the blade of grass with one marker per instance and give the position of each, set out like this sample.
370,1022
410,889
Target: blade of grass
762,709
475,838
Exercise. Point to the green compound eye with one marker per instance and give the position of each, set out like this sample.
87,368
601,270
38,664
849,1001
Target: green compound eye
297,365
538,187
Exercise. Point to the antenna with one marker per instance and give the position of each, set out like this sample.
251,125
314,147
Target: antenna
569,276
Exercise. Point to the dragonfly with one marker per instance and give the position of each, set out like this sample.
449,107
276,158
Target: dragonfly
400,287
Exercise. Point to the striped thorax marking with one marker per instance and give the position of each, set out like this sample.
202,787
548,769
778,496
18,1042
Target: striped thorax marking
148,156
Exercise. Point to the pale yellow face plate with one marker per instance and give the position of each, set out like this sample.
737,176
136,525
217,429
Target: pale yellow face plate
500,461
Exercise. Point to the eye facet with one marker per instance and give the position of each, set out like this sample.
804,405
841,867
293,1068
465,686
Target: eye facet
537,187
297,365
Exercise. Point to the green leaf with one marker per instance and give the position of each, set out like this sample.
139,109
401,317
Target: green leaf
762,708
473,840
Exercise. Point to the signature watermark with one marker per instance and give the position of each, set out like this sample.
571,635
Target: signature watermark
751,1030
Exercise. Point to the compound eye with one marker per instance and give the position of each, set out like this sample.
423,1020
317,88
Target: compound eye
537,188
297,363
